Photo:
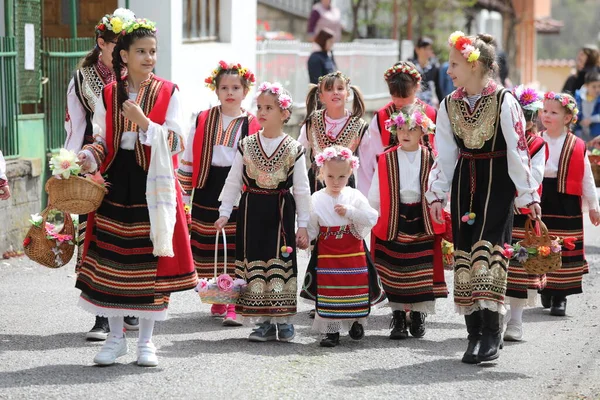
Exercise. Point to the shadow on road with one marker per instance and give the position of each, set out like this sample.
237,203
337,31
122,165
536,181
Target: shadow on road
425,373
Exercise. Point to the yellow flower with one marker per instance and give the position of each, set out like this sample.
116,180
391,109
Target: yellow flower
454,37
117,25
474,56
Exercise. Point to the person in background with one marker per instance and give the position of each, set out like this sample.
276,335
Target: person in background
324,15
587,59
321,62
444,81
424,60
4,188
588,103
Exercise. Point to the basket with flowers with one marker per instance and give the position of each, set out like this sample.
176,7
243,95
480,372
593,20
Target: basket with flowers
594,158
48,244
222,289
539,253
448,255
69,192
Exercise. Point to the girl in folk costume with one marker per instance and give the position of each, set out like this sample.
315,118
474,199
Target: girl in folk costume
482,160
266,167
521,287
85,88
333,124
207,159
404,239
341,279
137,250
569,189
404,82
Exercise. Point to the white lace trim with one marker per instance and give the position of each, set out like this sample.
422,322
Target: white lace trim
327,325
121,312
427,307
530,301
261,319
481,305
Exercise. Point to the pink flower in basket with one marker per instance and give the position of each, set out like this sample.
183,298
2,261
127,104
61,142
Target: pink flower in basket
224,282
202,285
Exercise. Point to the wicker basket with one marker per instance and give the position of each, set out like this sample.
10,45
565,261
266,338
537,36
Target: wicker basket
213,294
75,195
538,264
595,163
42,250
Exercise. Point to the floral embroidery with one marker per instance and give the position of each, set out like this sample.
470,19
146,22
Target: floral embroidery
518,125
461,93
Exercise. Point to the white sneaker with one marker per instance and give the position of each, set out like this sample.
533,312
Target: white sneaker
146,355
113,348
514,332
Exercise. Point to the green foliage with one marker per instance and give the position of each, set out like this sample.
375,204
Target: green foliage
580,18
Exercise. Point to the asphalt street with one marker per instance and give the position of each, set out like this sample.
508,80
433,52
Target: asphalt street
43,353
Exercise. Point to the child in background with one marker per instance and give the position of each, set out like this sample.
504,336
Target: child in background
404,240
568,190
266,166
588,103
206,162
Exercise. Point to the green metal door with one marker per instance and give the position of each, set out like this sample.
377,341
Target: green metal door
28,33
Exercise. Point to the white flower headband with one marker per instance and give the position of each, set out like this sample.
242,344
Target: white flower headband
275,88
330,153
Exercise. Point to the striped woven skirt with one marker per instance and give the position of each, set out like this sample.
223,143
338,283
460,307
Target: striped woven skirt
519,283
119,275
562,215
406,265
81,226
205,211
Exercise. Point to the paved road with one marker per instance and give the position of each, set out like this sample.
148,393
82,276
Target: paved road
43,353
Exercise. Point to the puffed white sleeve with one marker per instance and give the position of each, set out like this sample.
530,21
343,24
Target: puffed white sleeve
186,167
442,171
173,123
303,139
590,195
75,123
313,222
374,194
2,167
370,146
233,186
538,165
512,122
96,152
301,191
363,216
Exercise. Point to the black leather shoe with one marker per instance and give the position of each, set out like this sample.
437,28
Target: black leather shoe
131,323
398,326
312,313
357,331
546,300
491,337
474,322
330,340
417,324
559,306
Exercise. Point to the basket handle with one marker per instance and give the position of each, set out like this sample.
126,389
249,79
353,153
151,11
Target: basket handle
531,230
217,251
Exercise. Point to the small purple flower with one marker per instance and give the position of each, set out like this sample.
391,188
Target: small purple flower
522,255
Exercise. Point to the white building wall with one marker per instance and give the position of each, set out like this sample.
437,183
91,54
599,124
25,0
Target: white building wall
189,63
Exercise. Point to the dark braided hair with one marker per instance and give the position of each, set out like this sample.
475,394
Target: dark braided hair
92,57
124,43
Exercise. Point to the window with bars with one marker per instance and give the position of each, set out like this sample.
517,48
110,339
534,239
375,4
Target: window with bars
201,20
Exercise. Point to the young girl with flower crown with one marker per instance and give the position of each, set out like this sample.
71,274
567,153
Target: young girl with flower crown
333,124
85,88
206,161
266,167
568,190
482,161
522,287
404,241
341,278
137,251
404,82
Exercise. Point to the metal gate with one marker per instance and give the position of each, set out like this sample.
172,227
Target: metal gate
9,140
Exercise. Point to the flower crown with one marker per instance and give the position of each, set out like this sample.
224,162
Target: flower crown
529,98
566,101
417,119
402,69
464,44
138,23
275,88
336,74
114,22
330,153
211,81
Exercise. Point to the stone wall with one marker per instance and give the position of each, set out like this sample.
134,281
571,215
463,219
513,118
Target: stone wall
24,178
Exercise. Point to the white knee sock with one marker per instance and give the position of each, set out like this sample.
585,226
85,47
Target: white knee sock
146,330
115,325
516,315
